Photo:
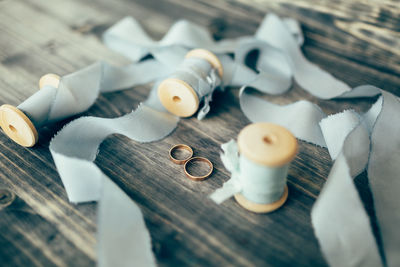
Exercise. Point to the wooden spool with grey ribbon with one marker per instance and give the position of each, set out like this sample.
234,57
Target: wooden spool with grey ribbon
266,151
180,94
16,122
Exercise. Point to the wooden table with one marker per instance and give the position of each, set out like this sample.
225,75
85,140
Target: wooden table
356,41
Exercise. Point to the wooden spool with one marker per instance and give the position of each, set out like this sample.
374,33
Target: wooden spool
269,145
49,79
16,124
177,96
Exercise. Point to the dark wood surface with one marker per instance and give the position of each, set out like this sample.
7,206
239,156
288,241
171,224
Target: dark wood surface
355,41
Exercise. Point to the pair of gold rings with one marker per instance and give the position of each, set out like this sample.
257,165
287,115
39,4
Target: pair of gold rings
188,160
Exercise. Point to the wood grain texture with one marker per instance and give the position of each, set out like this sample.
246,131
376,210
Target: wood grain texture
357,41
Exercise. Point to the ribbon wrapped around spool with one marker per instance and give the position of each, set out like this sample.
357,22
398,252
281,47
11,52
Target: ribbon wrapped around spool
195,80
16,123
259,173
63,97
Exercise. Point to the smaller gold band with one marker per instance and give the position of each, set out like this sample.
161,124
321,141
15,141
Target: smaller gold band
177,147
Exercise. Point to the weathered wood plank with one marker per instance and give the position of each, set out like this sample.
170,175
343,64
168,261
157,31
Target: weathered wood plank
30,240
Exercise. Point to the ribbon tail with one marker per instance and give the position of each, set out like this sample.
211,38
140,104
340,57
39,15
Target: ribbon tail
230,188
117,211
206,107
230,159
214,81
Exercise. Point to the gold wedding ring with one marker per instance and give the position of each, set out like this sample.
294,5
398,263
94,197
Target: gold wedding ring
180,147
194,177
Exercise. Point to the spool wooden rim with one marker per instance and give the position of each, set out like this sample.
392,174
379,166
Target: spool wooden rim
209,56
194,177
178,97
180,146
49,79
262,208
18,126
267,144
